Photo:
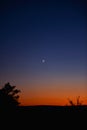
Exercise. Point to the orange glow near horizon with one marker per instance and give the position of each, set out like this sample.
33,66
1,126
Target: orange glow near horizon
53,95
50,101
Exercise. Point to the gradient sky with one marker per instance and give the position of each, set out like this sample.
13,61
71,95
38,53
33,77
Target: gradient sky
53,31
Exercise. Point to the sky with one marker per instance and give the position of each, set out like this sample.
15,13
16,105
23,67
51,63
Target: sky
43,50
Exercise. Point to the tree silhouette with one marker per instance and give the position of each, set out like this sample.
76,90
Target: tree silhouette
9,96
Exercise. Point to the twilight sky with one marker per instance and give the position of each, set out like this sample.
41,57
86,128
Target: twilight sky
43,50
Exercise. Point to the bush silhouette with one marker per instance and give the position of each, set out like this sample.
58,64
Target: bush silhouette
9,96
78,102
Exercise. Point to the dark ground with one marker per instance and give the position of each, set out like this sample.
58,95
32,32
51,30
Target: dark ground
45,117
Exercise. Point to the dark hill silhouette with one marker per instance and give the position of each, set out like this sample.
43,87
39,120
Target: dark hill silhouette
47,117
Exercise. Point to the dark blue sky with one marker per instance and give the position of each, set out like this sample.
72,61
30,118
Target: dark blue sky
32,31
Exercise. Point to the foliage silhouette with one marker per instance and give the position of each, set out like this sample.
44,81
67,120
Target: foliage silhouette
9,96
78,102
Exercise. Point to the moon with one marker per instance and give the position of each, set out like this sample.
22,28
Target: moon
43,60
